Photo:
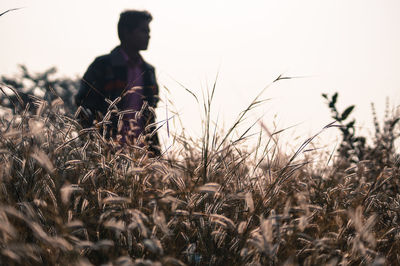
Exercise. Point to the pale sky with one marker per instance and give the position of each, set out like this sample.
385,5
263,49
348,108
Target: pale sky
349,46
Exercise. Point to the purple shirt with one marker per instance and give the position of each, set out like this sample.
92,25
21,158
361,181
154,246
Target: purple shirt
133,124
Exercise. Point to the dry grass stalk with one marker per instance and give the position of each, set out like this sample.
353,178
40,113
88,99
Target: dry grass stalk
70,196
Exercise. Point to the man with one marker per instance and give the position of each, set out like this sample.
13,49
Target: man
123,73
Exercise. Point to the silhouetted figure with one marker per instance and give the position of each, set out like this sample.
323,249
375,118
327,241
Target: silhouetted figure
123,73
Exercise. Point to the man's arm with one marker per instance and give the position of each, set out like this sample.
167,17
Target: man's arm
89,96
152,97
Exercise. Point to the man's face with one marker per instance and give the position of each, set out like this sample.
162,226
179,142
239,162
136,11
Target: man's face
138,38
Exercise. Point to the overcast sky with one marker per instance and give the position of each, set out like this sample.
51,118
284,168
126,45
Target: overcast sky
349,46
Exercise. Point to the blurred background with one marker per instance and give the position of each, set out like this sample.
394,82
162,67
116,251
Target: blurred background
345,46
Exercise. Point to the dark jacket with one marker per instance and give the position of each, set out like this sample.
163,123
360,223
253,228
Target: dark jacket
106,78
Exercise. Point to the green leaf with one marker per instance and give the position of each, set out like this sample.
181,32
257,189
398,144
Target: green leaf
337,118
351,124
346,112
333,101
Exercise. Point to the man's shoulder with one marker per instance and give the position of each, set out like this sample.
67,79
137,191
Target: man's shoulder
108,59
148,66
102,60
98,67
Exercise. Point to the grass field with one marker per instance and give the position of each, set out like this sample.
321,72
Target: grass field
69,197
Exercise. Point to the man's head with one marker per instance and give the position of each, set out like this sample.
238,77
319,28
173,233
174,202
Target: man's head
133,29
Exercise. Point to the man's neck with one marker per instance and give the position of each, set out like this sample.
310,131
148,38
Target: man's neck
132,54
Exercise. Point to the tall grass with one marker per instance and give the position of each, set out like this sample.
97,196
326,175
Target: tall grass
70,197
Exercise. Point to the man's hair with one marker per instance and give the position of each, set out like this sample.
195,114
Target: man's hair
130,19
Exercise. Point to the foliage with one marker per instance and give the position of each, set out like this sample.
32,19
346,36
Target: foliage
354,148
29,86
68,196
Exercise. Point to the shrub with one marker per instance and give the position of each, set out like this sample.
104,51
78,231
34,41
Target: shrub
44,85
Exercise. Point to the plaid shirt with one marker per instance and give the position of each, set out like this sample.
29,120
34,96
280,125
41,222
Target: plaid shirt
106,78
